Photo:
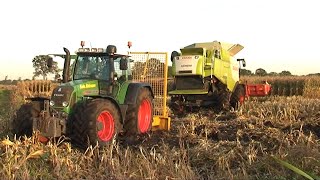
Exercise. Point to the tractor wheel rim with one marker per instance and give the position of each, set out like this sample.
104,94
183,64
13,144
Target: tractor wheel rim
107,121
144,116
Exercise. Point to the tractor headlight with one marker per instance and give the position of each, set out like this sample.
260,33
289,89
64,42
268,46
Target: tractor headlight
51,103
65,103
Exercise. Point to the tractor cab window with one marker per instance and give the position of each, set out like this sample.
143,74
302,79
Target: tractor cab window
121,73
92,67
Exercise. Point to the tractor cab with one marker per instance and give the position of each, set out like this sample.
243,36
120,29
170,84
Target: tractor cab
100,64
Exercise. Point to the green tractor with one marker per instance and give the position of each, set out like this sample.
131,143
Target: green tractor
93,105
206,74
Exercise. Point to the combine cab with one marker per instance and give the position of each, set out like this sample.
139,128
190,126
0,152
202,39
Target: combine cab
207,74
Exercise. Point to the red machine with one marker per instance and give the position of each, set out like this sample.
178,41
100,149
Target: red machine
258,90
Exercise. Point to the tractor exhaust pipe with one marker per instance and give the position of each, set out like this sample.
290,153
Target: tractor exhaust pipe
65,73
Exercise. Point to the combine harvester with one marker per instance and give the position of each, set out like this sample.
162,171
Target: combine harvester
207,75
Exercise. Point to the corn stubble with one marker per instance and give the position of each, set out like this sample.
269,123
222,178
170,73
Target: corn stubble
202,145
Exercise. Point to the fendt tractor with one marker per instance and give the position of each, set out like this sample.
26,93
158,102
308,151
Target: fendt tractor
99,100
207,75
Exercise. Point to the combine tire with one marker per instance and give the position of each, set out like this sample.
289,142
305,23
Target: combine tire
237,97
94,121
224,100
140,116
22,122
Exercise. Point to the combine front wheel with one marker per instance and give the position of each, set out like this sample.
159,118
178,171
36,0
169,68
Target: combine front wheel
224,100
238,97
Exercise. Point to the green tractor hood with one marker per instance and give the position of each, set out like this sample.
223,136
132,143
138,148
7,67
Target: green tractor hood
69,93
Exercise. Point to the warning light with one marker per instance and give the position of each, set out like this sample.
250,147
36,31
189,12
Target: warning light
129,44
82,43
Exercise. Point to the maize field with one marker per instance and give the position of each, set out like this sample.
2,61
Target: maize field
306,86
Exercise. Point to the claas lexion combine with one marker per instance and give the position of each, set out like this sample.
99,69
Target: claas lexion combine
207,74
102,98
104,94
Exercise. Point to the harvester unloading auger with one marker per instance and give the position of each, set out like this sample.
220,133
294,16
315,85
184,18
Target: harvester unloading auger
207,74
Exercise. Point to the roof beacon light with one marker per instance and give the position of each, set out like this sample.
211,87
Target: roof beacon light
129,44
82,43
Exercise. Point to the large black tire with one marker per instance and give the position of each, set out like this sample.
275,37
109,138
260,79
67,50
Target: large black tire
94,121
22,122
140,116
223,100
237,97
171,86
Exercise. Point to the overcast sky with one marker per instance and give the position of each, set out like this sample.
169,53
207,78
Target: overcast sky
277,35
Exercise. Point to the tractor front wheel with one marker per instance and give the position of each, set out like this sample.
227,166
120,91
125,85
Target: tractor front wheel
23,120
140,116
94,121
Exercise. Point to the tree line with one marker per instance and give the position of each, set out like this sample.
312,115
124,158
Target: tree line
263,72
258,72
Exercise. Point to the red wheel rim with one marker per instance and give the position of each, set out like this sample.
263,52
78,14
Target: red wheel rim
144,116
106,121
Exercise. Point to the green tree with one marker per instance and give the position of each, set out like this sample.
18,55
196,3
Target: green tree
245,72
273,74
261,72
41,69
285,73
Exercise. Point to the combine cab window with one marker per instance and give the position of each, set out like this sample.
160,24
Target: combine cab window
92,67
192,51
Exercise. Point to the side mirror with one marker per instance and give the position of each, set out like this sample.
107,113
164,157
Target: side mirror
50,62
123,64
111,49
243,62
174,54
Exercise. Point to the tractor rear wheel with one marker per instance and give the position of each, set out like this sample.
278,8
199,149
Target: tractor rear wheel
237,97
94,121
140,116
23,120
